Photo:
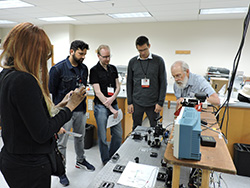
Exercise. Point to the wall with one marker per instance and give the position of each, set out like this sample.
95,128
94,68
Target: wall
212,43
3,33
60,39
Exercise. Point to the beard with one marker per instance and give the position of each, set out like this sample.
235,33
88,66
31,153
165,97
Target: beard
182,84
78,61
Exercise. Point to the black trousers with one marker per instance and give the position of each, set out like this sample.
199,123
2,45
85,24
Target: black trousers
138,115
26,176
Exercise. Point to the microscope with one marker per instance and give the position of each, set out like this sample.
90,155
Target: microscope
155,135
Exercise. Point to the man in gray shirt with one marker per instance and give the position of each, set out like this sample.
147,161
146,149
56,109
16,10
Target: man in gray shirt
146,84
187,84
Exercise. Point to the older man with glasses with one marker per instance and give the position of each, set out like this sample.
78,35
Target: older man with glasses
187,84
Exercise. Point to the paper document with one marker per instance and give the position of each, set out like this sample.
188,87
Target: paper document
111,121
73,134
139,175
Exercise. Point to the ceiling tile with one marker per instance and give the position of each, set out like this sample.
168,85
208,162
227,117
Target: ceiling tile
96,12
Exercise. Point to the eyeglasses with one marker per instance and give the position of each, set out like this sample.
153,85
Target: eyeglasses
177,76
142,50
105,57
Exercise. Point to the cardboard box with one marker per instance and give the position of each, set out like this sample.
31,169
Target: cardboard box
218,83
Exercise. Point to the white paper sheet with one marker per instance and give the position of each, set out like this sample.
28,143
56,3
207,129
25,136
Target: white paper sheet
139,175
111,121
73,134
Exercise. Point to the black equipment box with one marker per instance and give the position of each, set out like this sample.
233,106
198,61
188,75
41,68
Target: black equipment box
208,141
89,136
242,159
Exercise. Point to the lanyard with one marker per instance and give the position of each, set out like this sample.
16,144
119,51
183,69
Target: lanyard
144,72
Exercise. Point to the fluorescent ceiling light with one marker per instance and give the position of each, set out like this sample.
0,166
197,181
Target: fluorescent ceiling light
53,19
88,1
6,22
224,10
14,4
131,15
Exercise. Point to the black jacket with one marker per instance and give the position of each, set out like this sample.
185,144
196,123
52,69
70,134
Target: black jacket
27,127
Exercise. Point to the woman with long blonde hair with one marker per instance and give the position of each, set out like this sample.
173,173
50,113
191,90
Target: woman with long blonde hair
28,118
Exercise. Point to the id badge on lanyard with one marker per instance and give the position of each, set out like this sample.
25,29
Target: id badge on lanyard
145,82
111,91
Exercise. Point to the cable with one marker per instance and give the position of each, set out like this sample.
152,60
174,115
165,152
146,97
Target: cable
169,125
219,177
220,133
205,111
223,180
235,67
210,126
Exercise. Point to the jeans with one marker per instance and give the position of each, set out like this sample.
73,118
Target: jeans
101,115
138,115
78,123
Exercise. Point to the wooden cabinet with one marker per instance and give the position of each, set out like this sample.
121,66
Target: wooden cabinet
238,128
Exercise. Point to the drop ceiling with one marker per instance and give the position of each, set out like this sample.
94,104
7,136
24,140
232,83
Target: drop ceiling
96,12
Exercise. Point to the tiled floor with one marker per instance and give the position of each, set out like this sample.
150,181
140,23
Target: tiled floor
80,178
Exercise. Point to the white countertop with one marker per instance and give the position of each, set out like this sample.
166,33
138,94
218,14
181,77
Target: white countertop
123,93
234,102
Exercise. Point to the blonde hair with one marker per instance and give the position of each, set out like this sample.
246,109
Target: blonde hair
102,47
27,48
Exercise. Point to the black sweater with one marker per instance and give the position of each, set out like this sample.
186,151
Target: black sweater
153,69
27,127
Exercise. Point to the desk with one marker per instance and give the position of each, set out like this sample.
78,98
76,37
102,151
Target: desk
216,159
128,151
